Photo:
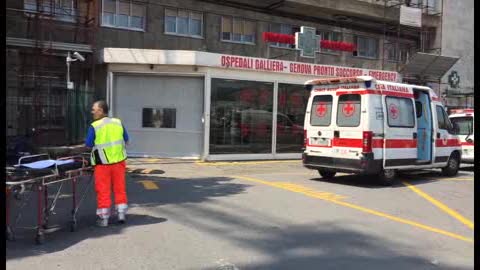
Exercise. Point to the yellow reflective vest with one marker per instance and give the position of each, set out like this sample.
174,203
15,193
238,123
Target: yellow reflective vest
109,145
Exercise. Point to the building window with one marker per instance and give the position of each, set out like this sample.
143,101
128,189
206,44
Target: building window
238,30
183,22
159,118
123,14
283,29
433,6
396,55
331,36
241,116
366,47
64,10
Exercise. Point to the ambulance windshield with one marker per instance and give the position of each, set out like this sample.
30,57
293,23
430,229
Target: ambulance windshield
465,124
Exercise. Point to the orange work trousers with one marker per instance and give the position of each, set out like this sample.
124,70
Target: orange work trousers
107,176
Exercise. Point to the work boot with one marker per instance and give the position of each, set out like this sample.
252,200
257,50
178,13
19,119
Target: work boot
121,218
102,222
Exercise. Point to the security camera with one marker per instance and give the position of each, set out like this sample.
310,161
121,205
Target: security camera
78,56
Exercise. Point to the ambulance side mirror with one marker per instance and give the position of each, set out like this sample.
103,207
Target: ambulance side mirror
470,131
308,87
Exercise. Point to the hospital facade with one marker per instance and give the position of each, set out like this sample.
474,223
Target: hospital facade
200,79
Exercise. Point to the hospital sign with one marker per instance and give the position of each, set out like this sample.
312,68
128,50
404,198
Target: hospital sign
280,66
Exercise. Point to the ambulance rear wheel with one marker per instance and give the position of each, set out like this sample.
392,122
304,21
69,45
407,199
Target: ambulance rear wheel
387,177
327,174
453,165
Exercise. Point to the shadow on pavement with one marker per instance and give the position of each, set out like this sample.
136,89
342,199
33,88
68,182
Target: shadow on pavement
278,245
370,181
361,181
180,190
171,191
62,238
467,168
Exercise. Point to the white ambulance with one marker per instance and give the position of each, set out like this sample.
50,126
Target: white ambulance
463,118
360,125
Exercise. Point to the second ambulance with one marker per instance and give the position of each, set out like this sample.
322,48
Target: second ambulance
463,118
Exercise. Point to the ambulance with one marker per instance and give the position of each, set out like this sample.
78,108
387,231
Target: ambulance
463,118
364,126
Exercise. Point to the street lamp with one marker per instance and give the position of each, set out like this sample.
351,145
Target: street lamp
76,56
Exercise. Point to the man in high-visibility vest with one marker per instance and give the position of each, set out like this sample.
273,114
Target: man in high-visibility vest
107,137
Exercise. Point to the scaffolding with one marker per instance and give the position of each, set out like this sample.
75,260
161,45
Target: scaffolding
40,33
393,31
423,63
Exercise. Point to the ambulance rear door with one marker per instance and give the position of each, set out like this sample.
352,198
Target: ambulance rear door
348,127
319,127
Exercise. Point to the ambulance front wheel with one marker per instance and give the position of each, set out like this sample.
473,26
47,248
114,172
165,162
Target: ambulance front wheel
327,174
387,177
453,165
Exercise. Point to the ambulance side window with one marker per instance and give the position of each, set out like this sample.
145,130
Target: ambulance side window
447,124
321,111
400,112
348,110
442,123
418,108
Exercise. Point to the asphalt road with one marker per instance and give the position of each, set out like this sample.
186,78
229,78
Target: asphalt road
262,215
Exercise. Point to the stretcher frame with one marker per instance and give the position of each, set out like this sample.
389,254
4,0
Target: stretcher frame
40,185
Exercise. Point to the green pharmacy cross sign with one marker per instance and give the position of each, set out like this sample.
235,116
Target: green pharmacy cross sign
454,79
307,42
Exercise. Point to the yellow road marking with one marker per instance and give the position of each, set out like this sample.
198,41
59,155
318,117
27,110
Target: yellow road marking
440,205
366,210
146,171
233,163
308,192
148,184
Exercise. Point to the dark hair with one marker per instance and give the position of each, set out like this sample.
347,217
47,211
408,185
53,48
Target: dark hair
103,105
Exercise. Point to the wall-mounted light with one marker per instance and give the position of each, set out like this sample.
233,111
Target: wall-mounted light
76,57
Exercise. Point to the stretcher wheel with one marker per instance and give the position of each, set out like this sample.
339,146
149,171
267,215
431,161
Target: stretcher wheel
9,234
40,239
73,226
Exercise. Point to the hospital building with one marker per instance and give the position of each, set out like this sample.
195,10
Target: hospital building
218,80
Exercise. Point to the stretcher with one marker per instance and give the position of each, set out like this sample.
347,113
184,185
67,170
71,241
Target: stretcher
38,173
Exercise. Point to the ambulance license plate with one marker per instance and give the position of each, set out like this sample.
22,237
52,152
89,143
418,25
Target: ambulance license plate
321,141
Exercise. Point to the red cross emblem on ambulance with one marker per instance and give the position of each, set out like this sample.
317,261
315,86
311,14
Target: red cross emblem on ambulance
321,109
393,111
348,109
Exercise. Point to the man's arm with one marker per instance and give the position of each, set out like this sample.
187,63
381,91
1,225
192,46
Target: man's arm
125,135
90,139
